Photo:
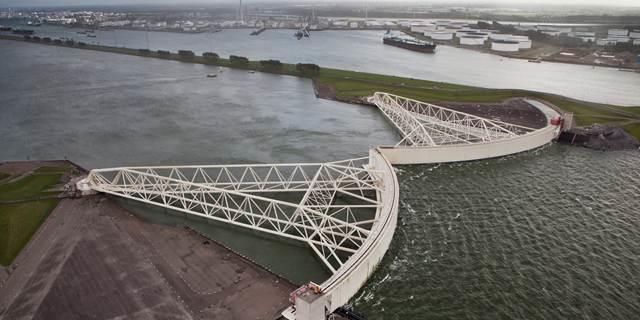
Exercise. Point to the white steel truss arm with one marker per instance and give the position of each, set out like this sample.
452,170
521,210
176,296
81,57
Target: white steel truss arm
424,124
334,215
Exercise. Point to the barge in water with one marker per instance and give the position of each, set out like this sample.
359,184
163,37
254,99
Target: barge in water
409,43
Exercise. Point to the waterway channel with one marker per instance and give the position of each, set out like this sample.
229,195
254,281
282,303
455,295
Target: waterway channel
364,51
548,234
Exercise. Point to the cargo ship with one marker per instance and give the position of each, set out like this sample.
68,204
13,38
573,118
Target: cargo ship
409,43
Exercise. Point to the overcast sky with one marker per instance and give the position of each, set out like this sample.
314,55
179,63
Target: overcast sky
22,3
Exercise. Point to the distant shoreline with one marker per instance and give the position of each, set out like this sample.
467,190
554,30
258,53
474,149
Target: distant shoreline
353,87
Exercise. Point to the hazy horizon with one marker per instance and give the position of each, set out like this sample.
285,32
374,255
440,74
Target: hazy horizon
66,3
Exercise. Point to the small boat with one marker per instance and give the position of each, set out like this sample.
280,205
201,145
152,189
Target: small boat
3,28
535,60
212,75
81,32
91,35
34,23
252,71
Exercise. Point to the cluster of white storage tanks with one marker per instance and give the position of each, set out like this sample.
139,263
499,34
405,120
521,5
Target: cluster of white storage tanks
444,30
505,42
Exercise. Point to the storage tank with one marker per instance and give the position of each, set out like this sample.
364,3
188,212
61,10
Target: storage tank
442,35
484,35
505,46
422,27
523,41
472,40
463,32
500,36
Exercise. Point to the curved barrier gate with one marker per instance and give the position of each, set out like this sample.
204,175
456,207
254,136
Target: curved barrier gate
345,211
433,134
350,238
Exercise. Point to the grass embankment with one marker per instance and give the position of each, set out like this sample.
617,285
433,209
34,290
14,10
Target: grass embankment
24,204
351,86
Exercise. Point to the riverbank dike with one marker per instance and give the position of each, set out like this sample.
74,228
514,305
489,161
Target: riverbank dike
91,258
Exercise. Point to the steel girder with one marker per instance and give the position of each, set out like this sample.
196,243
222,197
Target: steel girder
335,209
424,124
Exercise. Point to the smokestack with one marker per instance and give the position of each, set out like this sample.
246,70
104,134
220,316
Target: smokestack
241,13
366,10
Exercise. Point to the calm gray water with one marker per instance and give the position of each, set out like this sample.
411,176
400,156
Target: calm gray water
364,51
101,110
549,234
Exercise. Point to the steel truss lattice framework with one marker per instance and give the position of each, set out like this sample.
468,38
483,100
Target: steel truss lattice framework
336,207
423,124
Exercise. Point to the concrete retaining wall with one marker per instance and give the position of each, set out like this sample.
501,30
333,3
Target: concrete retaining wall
468,152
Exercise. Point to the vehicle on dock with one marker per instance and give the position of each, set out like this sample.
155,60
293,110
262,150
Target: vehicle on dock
408,43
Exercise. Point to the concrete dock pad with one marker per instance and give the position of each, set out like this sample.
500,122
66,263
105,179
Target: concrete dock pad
92,259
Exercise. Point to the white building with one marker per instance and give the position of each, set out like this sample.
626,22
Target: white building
635,34
373,24
636,42
353,25
621,39
618,32
551,28
553,33
505,46
120,23
340,23
606,42
472,40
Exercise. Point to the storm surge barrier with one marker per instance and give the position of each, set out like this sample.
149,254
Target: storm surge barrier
434,134
345,211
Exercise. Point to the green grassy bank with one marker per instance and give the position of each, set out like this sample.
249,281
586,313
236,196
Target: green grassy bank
25,203
351,86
